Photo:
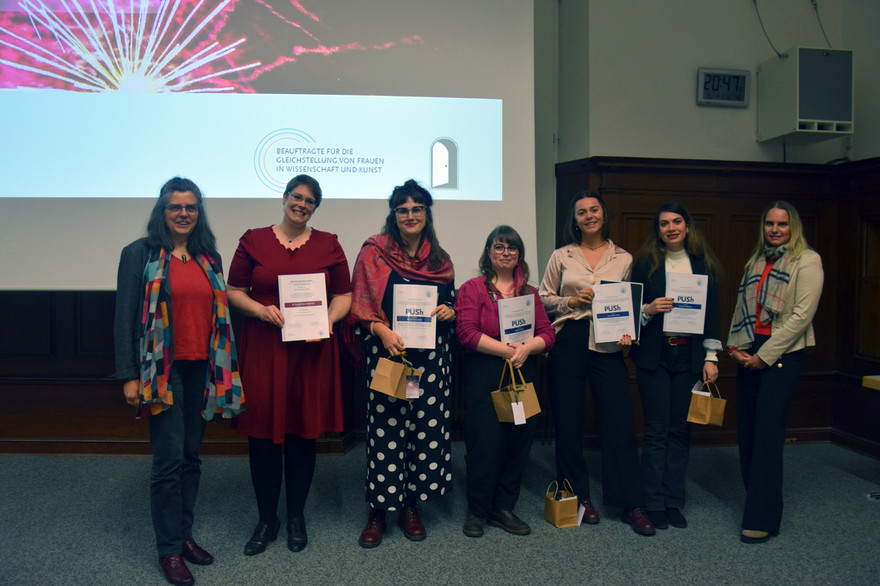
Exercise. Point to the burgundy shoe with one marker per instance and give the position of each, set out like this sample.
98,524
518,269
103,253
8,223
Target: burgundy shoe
371,536
639,522
176,571
591,517
195,554
409,521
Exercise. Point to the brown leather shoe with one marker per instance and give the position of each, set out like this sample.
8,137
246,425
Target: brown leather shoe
195,554
473,525
371,536
409,521
591,517
176,571
639,522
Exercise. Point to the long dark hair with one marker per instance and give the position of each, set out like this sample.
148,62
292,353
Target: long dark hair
201,239
655,251
572,232
506,235
419,195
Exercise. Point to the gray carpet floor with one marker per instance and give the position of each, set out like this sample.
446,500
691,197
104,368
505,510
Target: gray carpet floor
86,520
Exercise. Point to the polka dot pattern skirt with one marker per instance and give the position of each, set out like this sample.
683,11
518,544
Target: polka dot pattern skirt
408,447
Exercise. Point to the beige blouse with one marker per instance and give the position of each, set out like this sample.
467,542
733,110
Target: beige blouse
568,271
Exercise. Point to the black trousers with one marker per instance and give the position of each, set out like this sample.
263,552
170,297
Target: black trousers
497,453
666,398
571,364
267,463
763,398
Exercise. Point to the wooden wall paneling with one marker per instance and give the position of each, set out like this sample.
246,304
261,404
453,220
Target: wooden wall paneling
27,318
855,413
94,324
868,289
726,200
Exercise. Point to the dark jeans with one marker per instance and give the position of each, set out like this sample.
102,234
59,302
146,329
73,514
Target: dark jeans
571,363
266,468
497,453
763,398
666,397
176,435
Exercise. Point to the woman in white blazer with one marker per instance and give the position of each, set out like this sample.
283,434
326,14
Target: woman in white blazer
771,326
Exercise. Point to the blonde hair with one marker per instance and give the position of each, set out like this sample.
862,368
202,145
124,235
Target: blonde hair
797,243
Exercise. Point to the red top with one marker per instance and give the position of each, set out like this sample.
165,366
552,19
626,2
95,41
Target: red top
192,303
762,329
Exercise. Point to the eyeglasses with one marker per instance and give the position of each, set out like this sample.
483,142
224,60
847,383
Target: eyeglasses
416,211
303,200
501,249
175,208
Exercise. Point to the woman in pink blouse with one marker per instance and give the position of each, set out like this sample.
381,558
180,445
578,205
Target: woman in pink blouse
497,452
589,258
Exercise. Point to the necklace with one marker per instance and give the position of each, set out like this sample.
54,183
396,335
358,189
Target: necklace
290,239
597,247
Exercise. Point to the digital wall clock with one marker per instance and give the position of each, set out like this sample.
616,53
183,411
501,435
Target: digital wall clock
727,88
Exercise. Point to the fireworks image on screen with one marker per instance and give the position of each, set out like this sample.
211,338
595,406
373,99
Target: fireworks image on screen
98,46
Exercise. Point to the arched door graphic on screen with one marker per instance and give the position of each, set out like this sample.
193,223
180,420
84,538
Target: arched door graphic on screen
444,164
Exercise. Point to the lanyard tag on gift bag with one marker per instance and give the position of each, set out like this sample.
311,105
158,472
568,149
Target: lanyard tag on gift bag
519,413
412,386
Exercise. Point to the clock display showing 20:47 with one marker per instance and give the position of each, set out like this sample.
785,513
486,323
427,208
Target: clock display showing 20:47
723,86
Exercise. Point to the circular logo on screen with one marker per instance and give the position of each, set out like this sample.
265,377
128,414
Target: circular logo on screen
279,156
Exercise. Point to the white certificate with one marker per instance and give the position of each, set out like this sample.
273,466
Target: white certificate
612,312
516,316
303,300
688,294
412,317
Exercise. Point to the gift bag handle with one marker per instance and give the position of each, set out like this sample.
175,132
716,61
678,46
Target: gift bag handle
405,362
508,367
566,485
713,389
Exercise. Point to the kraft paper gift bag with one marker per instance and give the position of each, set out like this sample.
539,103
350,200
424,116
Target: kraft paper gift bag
707,408
507,396
390,377
561,505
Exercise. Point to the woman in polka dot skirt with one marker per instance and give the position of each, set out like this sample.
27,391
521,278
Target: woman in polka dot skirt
408,450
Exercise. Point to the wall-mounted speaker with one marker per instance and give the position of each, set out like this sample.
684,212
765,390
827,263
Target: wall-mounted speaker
806,96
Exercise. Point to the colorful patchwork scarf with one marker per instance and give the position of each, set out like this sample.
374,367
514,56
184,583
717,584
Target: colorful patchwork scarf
223,393
742,329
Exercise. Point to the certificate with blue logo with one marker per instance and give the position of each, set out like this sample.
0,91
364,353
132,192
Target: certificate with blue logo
688,294
516,316
412,317
613,312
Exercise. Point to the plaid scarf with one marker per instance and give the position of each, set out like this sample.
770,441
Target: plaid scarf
380,255
769,297
223,393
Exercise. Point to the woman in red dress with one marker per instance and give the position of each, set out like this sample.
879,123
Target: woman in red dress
296,392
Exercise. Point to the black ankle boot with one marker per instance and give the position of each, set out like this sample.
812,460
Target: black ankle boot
296,534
